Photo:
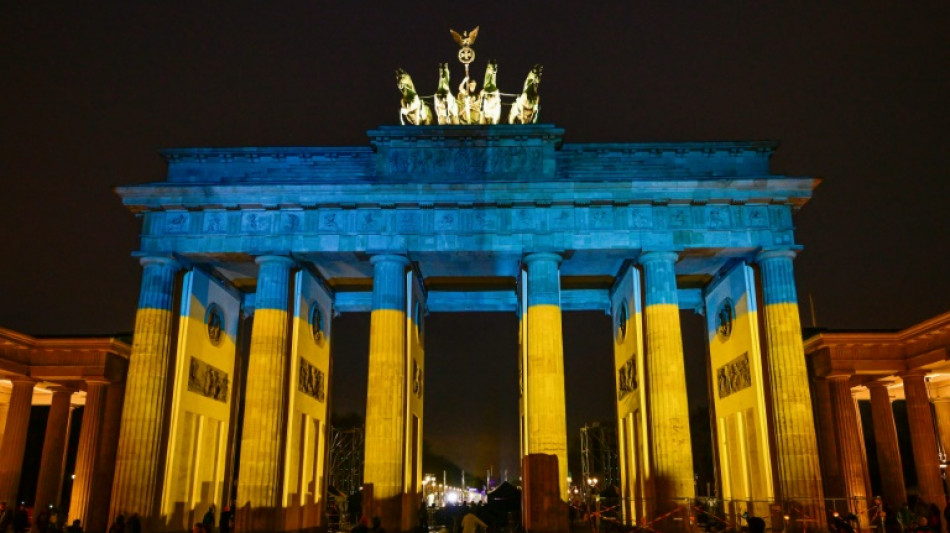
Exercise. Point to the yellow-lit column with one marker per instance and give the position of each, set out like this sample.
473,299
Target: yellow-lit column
14,438
544,372
136,486
386,393
942,416
888,451
262,435
922,437
796,449
672,455
49,483
850,449
92,414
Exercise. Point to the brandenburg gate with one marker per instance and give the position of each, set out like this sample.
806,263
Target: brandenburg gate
248,254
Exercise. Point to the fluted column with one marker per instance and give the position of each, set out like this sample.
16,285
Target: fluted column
666,383
49,483
88,449
942,416
545,415
136,485
827,441
386,393
97,514
14,438
799,472
923,439
850,450
888,451
259,483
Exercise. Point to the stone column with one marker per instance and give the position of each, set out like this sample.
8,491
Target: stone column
49,483
888,451
796,449
136,486
88,449
827,442
259,494
942,415
14,439
850,449
97,516
545,418
923,438
386,393
672,454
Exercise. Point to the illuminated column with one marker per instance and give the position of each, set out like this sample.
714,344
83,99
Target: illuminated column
827,440
386,393
49,483
850,449
666,383
97,514
888,451
545,416
922,438
799,473
136,485
14,438
262,433
92,414
942,415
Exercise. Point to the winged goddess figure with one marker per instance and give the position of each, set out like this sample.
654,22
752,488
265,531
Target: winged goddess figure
467,38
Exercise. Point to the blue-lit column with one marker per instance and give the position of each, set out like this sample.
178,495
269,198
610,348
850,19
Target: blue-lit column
259,494
136,486
386,390
796,448
14,438
672,457
545,419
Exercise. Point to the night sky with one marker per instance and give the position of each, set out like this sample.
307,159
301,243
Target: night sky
857,93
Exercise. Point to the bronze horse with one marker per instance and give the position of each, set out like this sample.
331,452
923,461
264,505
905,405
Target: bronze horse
525,109
446,108
414,111
490,96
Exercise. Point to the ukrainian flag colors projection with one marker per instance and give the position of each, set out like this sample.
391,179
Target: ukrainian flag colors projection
631,399
732,324
134,488
415,381
386,390
201,401
307,411
543,399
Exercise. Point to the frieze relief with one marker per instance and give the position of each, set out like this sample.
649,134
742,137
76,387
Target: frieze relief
733,376
310,381
416,379
207,380
690,221
627,378
464,161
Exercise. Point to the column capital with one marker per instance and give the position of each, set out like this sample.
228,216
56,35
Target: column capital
768,255
914,373
652,257
389,258
160,260
542,256
278,259
23,380
838,376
